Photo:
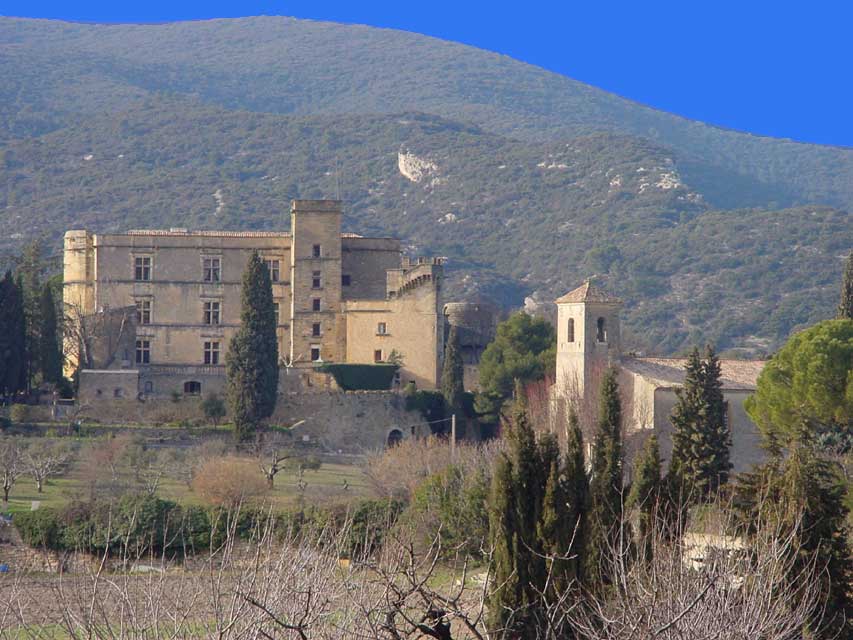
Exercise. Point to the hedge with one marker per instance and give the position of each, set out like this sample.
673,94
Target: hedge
362,377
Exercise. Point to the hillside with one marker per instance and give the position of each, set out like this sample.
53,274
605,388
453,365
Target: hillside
515,218
53,71
528,181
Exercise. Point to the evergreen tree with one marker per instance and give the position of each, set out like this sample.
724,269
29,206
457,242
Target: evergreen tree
577,492
13,372
251,365
716,422
645,495
805,495
845,307
50,356
504,597
530,528
452,373
701,439
604,520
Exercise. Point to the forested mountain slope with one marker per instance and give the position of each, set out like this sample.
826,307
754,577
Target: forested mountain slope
515,218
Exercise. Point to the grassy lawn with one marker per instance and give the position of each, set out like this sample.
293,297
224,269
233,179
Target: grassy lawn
331,483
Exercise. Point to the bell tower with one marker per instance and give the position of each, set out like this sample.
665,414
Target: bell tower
588,338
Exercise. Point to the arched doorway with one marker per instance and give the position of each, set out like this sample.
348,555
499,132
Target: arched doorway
395,438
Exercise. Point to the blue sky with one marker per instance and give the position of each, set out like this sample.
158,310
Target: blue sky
772,68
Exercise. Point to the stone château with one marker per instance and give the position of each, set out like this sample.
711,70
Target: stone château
171,300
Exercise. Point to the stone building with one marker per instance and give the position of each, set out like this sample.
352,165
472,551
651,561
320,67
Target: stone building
589,341
339,297
476,324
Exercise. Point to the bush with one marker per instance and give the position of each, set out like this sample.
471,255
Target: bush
20,413
229,482
431,405
454,502
362,377
41,528
214,408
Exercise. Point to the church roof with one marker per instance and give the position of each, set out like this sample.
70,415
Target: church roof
588,293
669,372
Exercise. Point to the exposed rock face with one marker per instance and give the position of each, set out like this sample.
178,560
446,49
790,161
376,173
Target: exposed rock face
414,168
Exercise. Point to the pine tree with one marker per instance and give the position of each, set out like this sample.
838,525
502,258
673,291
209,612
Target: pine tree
251,365
452,373
604,521
645,495
845,308
50,357
701,439
13,370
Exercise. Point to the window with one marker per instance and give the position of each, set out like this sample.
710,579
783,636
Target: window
274,267
142,268
316,280
143,312
381,329
275,310
211,312
192,388
211,353
601,336
143,351
377,355
570,330
315,352
315,304
346,280
211,270
118,392
317,251
315,329
149,386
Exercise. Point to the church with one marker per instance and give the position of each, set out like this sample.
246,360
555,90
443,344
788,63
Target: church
589,341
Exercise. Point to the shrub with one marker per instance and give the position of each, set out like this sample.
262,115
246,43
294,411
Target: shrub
229,482
20,413
214,408
41,528
431,405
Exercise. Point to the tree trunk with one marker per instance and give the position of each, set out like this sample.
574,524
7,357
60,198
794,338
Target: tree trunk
39,484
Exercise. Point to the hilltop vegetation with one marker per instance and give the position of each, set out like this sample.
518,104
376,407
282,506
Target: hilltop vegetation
526,180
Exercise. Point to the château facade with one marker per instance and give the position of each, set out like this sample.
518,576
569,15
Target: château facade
339,297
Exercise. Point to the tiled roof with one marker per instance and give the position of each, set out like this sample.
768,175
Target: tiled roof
588,293
669,372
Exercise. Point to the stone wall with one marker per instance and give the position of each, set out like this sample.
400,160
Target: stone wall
349,422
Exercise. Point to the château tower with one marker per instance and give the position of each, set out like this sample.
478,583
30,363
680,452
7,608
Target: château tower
588,338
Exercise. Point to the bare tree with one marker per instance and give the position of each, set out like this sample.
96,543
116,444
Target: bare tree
11,466
704,586
95,340
46,459
273,457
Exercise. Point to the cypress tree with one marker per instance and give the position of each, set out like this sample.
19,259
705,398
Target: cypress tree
50,357
604,521
529,527
453,372
716,423
13,371
577,492
504,597
845,307
251,365
645,495
701,439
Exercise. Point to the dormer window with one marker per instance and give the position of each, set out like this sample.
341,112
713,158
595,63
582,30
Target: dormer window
570,330
601,335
